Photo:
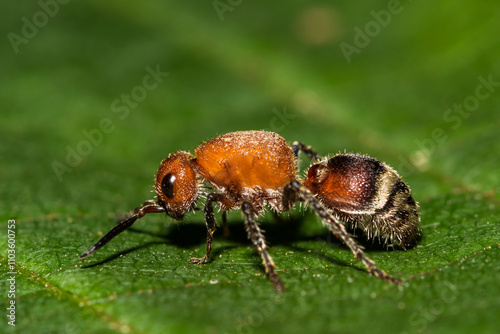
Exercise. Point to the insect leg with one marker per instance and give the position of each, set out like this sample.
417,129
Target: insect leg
336,227
210,222
257,237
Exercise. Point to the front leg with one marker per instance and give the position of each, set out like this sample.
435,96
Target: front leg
210,222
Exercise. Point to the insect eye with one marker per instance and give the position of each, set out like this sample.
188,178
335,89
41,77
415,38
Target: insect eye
167,185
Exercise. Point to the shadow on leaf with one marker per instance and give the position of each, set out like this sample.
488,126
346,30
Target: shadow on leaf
282,231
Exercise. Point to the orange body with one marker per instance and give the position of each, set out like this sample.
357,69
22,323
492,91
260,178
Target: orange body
248,165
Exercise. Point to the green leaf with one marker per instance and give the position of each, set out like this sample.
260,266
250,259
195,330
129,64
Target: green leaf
89,111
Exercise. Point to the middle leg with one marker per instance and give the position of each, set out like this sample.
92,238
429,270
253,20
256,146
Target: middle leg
255,234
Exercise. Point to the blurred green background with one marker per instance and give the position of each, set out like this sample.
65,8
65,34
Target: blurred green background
94,95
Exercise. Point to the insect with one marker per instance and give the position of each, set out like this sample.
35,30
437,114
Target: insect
252,170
